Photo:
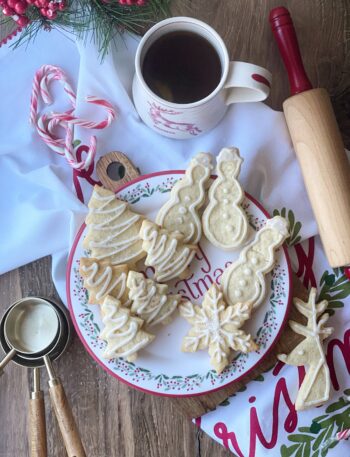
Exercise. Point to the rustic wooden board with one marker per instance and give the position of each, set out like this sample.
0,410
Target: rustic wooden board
111,416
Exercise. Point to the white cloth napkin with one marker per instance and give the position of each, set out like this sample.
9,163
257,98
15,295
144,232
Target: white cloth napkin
39,206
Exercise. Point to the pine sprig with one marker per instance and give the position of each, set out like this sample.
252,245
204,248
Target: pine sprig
104,20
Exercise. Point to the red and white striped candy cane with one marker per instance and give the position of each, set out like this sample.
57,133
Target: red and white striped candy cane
344,434
48,122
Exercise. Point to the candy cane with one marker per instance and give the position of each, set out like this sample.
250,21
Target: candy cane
48,122
340,436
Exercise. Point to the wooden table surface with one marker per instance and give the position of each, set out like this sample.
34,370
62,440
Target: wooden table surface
114,419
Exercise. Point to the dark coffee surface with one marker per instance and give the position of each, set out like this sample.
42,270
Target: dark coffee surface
182,67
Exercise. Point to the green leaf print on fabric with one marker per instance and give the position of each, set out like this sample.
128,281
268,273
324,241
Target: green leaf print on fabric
294,226
312,441
334,287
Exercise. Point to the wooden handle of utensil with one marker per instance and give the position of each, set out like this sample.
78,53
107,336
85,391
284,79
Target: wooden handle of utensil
325,167
37,426
115,169
65,420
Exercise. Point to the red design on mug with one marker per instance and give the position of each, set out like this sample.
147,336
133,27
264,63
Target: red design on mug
261,79
165,124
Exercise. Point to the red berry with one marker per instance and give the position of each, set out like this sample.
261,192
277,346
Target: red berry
61,6
30,2
3,3
43,3
43,11
141,2
22,21
7,11
20,7
11,3
53,6
50,14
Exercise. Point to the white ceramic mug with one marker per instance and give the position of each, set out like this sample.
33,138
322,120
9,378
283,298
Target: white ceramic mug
240,82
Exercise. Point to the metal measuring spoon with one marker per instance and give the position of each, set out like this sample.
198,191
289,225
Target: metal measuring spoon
31,328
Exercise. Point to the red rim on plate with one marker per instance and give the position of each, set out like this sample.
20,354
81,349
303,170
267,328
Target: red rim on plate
104,366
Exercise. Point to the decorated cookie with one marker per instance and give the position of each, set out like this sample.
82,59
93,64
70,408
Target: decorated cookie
151,300
102,279
113,229
166,251
225,223
244,280
314,390
218,327
180,212
122,331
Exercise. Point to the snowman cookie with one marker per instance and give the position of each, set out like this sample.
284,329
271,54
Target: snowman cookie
225,223
244,280
180,212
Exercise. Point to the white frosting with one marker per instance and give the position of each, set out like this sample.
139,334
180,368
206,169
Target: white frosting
225,216
225,201
182,210
229,155
103,281
164,254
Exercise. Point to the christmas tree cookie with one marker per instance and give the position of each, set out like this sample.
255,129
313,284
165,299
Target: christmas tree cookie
180,212
112,229
244,280
225,223
122,331
102,279
314,390
166,251
151,300
217,327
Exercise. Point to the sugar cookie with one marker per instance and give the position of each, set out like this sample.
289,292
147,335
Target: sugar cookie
166,251
150,300
217,326
225,224
122,332
314,390
244,280
102,279
112,229
180,212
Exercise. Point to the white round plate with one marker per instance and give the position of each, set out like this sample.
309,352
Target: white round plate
161,368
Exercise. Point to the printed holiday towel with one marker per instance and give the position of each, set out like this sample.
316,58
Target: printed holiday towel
44,200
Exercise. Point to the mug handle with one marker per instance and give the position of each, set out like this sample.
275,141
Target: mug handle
247,83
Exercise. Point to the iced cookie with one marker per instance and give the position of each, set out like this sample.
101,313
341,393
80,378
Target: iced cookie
218,327
102,279
244,280
151,300
122,331
314,390
166,251
180,212
112,229
225,224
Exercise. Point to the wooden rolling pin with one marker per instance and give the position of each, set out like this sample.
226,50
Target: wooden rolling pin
318,145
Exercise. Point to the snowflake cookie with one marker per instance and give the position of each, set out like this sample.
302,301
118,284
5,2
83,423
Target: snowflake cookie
225,224
180,212
218,327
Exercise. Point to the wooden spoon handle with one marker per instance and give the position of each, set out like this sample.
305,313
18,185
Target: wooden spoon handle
115,169
37,426
65,420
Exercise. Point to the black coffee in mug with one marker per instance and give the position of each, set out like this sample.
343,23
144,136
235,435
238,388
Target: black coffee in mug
181,67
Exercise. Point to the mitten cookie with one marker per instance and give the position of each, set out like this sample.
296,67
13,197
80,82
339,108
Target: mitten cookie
112,229
217,326
102,279
244,281
315,388
225,224
122,332
151,300
166,251
180,212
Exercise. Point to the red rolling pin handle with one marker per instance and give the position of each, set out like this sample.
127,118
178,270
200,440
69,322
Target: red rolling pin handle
283,30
